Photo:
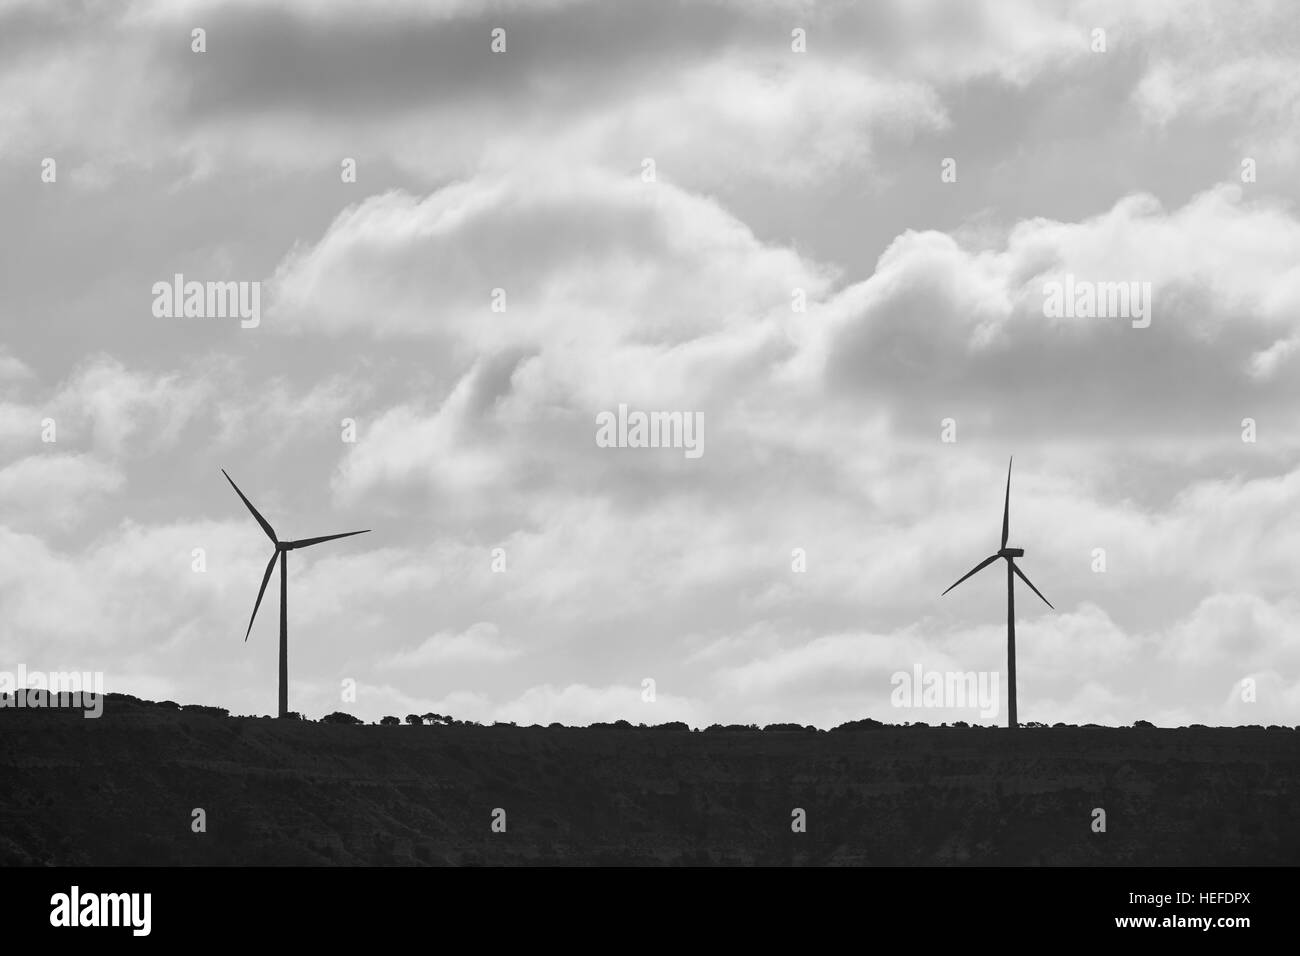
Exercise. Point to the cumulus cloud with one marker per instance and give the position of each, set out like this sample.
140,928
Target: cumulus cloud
582,257
54,491
713,89
105,408
478,644
939,328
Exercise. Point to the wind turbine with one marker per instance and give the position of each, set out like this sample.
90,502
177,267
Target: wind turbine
1010,554
282,549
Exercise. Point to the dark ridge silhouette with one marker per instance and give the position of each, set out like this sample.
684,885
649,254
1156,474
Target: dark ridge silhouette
281,552
1013,571
121,790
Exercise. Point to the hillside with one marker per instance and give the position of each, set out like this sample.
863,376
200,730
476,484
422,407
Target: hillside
121,790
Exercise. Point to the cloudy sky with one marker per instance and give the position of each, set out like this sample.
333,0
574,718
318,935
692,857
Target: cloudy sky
657,188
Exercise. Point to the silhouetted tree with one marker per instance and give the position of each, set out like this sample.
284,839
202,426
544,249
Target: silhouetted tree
338,717
389,721
414,719
867,723
202,709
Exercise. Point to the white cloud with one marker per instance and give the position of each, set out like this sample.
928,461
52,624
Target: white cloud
585,258
106,408
481,643
53,491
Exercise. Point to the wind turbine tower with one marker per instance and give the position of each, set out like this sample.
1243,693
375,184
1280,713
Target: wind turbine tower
281,553
1009,555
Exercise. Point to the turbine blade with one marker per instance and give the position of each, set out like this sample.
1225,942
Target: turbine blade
1031,584
307,542
979,567
266,577
270,532
1006,507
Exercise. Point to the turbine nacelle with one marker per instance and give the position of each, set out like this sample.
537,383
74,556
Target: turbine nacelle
1012,553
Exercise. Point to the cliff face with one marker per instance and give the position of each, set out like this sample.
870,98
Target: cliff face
124,789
